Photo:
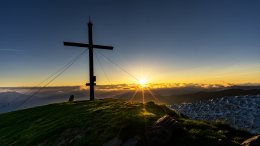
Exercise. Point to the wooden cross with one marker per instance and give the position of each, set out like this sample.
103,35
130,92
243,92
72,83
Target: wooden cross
90,46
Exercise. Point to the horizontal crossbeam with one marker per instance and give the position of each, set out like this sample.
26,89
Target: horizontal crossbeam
87,45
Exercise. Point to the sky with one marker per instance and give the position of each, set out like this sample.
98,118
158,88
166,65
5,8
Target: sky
161,41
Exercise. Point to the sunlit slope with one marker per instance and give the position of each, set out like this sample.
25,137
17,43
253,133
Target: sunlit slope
97,122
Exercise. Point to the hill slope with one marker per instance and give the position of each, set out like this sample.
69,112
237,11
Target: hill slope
96,122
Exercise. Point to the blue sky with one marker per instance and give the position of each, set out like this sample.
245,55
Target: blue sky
202,41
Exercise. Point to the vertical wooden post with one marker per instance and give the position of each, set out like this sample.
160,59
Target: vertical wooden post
91,65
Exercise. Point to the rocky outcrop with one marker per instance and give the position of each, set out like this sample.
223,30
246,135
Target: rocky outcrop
253,141
163,131
132,141
242,112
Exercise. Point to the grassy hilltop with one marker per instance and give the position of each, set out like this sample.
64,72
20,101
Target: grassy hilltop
94,123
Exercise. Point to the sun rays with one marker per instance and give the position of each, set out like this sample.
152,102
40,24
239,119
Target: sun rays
143,93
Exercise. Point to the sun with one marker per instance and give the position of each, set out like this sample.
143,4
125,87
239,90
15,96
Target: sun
142,82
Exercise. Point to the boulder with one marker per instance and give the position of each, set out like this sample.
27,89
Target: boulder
132,141
163,131
253,141
169,123
165,121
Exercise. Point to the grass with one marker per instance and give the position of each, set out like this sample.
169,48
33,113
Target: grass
95,122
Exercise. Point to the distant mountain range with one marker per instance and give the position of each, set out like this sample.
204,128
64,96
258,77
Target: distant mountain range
186,94
11,97
205,95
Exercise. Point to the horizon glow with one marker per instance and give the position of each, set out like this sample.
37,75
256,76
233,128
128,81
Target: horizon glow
199,42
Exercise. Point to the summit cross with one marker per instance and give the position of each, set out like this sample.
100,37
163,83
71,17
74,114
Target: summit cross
90,46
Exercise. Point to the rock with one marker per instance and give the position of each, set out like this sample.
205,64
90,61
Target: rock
113,142
132,141
242,112
223,131
164,131
170,124
166,121
253,141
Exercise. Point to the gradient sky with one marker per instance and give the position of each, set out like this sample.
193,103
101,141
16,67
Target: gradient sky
187,41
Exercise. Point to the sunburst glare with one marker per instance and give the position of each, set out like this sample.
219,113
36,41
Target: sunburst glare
143,82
